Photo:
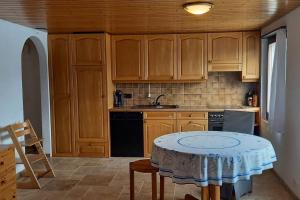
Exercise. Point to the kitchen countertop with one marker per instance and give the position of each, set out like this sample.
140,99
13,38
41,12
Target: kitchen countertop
187,109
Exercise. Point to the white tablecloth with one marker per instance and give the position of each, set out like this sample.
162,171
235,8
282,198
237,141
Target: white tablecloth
211,157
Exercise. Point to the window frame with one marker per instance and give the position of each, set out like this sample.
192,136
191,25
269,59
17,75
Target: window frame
271,40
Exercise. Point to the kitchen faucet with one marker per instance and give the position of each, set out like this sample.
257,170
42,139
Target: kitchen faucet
156,102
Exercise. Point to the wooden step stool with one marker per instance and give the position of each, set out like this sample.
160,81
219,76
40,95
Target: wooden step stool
25,129
145,166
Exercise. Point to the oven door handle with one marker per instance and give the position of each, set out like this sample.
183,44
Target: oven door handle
218,123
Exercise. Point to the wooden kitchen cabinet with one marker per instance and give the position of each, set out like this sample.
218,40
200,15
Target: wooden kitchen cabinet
192,121
79,86
192,57
192,125
88,49
192,115
154,128
160,115
251,56
225,51
160,56
157,124
128,52
89,95
60,79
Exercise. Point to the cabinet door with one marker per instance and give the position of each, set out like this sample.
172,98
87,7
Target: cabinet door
192,125
89,108
128,53
60,79
88,49
192,57
154,129
225,51
251,55
160,58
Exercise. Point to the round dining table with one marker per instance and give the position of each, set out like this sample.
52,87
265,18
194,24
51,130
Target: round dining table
210,158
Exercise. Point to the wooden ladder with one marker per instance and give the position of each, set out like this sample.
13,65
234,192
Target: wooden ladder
25,129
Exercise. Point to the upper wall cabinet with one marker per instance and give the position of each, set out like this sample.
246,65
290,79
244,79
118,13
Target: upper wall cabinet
192,57
184,57
88,50
225,51
251,50
161,60
128,53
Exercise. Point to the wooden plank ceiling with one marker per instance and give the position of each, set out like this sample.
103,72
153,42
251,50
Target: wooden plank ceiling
142,16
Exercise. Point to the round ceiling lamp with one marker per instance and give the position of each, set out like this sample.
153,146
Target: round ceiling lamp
198,8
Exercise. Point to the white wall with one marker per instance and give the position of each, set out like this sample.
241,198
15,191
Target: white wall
287,146
12,39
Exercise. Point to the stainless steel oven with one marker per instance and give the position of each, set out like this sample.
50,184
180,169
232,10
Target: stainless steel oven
215,121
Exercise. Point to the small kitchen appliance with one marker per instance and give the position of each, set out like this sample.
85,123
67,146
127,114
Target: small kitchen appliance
118,98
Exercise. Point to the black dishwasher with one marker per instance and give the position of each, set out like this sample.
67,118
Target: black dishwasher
126,134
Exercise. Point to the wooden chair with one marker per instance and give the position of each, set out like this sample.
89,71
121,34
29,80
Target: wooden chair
145,166
25,129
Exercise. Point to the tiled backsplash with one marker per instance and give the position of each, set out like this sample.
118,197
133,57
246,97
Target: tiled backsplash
221,89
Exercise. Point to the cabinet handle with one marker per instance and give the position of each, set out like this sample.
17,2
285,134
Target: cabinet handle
3,182
172,77
2,163
190,115
209,61
190,122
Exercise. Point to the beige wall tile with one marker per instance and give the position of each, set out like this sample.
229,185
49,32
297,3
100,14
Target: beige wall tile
220,89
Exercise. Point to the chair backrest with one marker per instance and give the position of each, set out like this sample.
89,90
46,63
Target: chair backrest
239,121
21,129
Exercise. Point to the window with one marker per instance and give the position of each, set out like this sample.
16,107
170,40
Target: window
271,53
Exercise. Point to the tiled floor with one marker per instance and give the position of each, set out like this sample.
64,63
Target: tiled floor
108,179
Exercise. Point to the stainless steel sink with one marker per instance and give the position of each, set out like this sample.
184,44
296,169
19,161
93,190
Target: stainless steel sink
154,106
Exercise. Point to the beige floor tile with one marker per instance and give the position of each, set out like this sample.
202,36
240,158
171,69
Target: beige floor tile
96,180
77,192
103,192
108,179
60,185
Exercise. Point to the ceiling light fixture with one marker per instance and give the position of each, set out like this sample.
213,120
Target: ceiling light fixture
198,8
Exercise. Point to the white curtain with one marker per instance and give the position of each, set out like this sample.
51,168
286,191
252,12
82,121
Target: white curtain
278,85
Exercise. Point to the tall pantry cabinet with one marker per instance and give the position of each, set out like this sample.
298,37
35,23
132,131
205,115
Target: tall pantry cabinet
80,84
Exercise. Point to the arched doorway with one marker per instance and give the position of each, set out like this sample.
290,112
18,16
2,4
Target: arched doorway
32,107
35,83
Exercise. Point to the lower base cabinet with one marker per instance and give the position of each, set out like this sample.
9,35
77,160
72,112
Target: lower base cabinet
155,128
192,125
157,124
